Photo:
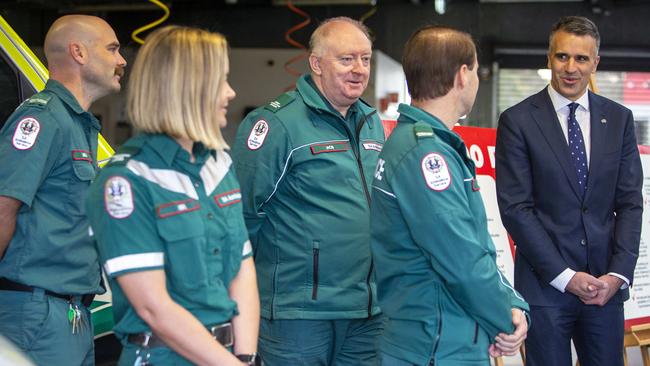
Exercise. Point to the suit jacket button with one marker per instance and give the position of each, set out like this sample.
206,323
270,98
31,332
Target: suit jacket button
583,242
585,210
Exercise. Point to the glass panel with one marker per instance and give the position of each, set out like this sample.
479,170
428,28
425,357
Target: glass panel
632,89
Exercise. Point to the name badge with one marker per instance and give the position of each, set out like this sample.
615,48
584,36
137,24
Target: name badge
329,147
228,198
177,207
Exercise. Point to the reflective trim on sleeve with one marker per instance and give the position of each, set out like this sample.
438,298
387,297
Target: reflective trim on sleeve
248,248
134,261
505,283
286,164
384,192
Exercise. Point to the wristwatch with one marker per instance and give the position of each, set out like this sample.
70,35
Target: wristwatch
252,359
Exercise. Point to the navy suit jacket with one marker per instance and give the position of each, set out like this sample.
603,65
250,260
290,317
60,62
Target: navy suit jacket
541,207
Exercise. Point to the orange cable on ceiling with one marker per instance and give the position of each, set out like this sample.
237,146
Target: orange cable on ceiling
293,42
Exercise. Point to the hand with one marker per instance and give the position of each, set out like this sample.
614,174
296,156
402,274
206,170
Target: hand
494,351
613,285
585,286
509,344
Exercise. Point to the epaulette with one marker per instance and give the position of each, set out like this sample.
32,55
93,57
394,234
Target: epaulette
423,130
280,102
38,100
122,155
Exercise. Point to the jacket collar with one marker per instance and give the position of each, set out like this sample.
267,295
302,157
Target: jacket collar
68,99
411,114
314,99
169,150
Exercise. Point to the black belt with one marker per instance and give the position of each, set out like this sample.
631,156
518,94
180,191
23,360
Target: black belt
8,285
222,333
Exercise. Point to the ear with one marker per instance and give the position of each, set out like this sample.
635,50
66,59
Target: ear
314,64
461,76
596,61
548,60
78,52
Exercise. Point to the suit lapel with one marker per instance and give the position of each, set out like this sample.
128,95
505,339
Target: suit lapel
598,137
546,119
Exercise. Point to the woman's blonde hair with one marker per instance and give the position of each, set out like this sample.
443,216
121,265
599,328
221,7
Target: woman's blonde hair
175,83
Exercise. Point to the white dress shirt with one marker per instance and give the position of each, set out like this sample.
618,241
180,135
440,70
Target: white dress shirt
583,116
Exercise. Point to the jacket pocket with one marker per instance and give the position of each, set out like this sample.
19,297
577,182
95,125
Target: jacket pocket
436,341
315,254
475,333
274,287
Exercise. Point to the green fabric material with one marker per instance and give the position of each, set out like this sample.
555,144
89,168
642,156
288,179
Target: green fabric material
438,282
306,210
38,324
186,219
51,248
348,342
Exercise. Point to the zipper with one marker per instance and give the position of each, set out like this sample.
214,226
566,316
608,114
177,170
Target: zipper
275,281
372,264
357,154
436,343
314,291
476,333
365,190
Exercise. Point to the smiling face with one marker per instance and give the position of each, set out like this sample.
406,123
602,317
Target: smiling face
341,66
572,60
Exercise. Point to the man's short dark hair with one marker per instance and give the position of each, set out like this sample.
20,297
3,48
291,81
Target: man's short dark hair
580,26
432,56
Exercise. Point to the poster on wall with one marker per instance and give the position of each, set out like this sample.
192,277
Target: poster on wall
637,308
480,144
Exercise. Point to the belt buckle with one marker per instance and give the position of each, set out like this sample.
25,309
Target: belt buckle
146,338
222,333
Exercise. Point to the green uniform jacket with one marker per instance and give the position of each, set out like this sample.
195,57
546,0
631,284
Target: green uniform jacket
48,158
305,174
152,208
438,282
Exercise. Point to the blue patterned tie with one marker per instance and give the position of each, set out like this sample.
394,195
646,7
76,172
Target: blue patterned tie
577,148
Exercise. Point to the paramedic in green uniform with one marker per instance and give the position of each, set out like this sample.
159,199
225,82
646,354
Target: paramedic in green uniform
305,163
445,300
167,215
49,271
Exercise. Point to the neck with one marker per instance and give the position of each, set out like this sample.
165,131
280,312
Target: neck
74,85
341,109
444,108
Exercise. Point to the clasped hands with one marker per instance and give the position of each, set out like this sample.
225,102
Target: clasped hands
592,290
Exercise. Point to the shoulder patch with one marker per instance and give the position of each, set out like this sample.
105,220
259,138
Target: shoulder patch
280,102
423,130
436,172
257,135
26,133
118,197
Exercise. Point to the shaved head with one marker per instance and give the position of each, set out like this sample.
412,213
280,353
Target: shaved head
82,53
83,29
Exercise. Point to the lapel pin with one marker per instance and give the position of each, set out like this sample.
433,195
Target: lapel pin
603,121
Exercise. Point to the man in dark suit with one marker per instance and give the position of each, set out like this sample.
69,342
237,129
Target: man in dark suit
569,181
